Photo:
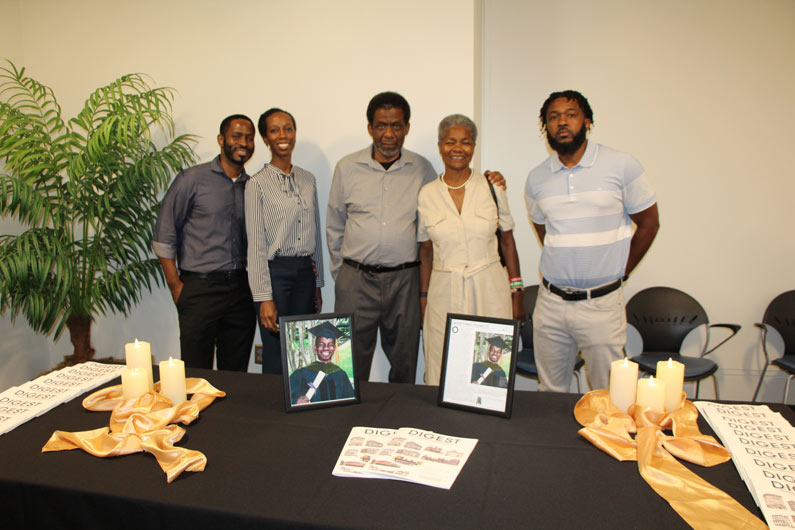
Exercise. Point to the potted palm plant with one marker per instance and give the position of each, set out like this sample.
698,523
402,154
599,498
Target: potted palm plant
87,191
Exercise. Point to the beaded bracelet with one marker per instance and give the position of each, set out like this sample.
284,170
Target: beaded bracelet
516,283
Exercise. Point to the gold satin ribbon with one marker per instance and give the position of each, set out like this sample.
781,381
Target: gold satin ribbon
699,503
142,424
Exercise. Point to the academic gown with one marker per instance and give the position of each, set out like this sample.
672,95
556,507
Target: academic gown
335,384
497,376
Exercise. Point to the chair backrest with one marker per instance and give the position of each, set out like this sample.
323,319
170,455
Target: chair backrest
780,314
664,316
530,295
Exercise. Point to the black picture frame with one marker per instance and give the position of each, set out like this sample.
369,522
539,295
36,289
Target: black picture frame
300,358
470,379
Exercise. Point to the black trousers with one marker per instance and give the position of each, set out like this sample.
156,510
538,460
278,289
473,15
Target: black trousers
215,316
293,288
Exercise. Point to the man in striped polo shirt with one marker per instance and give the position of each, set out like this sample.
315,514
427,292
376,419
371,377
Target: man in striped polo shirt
583,201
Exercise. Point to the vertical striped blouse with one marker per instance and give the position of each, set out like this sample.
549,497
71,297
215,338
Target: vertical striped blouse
282,219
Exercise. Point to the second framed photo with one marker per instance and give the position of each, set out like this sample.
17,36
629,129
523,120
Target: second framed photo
317,361
479,364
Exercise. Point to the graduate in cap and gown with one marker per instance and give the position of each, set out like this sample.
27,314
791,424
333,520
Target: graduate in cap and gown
321,380
490,372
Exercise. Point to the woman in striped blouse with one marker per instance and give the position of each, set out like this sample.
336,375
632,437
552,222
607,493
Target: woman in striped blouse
285,253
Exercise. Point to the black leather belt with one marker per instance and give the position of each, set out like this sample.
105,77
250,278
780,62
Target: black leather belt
573,295
291,260
219,276
380,268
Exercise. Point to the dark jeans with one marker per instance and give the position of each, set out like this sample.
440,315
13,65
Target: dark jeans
293,288
215,317
385,301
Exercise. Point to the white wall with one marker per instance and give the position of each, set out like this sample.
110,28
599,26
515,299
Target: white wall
321,60
701,92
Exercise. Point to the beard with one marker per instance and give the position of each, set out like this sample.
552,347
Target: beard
387,153
231,154
570,147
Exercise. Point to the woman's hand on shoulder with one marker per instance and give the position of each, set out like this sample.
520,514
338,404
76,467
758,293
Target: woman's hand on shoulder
496,178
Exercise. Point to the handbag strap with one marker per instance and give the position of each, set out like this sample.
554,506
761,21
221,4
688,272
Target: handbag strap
494,196
499,232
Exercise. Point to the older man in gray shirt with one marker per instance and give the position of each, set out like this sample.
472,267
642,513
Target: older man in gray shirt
201,226
371,228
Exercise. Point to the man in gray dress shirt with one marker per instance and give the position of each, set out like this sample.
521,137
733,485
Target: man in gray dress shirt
202,228
371,228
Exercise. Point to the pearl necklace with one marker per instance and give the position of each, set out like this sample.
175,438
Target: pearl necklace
449,187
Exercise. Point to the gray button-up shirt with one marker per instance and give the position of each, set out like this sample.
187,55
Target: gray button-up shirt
202,221
372,212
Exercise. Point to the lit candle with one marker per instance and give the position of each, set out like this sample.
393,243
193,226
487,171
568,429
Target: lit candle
139,355
134,383
172,380
672,373
623,383
651,394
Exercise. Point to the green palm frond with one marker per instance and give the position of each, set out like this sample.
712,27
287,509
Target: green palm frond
88,188
122,287
25,201
36,276
34,100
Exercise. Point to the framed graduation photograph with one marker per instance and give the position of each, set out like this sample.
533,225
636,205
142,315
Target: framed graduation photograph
479,364
317,361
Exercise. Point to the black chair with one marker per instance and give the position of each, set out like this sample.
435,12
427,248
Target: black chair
525,359
664,316
779,315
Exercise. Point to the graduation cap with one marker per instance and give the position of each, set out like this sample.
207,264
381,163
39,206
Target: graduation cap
497,342
327,330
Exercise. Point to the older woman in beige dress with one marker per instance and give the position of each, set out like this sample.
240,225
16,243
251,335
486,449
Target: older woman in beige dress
460,270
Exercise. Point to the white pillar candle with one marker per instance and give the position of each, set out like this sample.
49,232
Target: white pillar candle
139,355
623,383
672,373
172,380
651,394
133,383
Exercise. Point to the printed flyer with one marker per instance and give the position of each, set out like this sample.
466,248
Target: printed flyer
23,403
408,454
762,444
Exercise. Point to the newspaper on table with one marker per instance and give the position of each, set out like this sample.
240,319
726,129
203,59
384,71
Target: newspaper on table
22,403
762,444
408,454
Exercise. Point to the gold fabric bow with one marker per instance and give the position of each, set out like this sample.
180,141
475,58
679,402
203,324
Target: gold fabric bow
698,502
142,424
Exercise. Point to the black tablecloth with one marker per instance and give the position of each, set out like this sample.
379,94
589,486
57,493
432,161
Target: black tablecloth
267,468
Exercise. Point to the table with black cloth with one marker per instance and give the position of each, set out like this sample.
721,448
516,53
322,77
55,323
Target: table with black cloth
267,468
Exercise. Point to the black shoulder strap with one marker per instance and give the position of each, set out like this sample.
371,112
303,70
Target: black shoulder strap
499,232
494,196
